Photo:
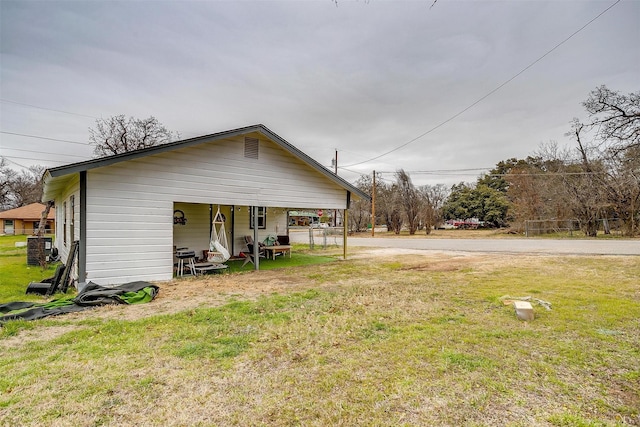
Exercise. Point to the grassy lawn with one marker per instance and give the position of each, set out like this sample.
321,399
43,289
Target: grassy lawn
15,274
300,255
398,341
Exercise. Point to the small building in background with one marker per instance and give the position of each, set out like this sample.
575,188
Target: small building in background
303,218
26,220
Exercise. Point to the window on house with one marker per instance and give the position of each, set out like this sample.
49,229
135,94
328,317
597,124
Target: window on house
262,217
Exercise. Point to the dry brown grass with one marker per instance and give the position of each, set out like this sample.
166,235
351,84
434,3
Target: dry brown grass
385,338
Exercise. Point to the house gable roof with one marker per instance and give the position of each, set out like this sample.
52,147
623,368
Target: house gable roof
32,212
62,171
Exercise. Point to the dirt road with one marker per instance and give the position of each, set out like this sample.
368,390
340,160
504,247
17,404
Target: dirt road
492,245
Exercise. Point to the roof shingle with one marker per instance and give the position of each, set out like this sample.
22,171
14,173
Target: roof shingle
32,212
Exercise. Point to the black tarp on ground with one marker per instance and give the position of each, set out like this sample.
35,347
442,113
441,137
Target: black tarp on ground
92,295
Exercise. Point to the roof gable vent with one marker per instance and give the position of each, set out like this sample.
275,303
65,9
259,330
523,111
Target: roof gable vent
251,148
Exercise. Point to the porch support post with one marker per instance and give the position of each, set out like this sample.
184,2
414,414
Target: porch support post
256,245
82,249
345,218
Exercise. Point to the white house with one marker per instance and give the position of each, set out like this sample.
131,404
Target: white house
130,211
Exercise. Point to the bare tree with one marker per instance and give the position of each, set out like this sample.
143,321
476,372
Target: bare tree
434,197
6,174
119,134
615,117
387,205
621,188
20,188
584,181
360,210
409,199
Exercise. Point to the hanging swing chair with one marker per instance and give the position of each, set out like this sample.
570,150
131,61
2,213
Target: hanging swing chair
218,246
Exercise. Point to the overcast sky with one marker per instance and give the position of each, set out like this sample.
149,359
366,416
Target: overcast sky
361,77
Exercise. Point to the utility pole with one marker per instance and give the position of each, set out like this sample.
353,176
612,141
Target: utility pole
633,220
373,206
335,212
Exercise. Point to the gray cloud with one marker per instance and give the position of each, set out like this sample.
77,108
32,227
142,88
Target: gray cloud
363,77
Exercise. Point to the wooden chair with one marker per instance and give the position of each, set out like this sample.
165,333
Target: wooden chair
248,240
250,258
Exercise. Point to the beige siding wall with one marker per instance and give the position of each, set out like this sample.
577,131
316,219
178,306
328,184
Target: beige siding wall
219,171
62,229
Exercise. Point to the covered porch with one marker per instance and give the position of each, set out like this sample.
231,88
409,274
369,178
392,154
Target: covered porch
193,226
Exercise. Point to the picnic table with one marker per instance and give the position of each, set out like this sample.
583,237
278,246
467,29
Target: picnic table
273,251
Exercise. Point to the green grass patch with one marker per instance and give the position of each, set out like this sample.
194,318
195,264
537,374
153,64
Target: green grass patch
15,274
297,259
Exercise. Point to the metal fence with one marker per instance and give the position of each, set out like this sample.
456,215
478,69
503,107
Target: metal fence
548,226
569,226
326,236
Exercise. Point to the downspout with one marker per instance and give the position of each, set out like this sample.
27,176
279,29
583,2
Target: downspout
82,250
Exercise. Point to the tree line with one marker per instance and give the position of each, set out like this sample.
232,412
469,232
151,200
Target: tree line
594,181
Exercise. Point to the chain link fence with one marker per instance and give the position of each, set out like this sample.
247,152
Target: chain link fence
569,226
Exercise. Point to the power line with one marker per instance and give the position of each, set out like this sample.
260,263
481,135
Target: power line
29,158
45,152
15,163
491,92
44,137
546,174
352,171
439,171
71,113
47,109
